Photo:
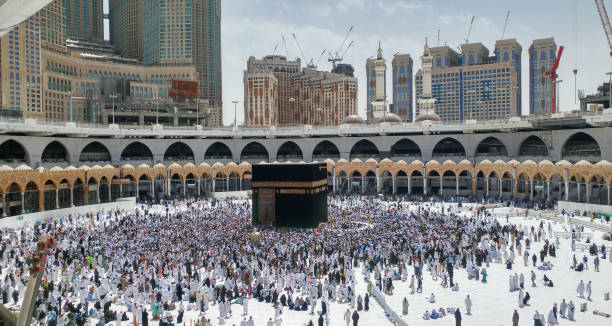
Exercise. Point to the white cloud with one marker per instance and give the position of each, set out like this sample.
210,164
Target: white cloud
400,6
345,5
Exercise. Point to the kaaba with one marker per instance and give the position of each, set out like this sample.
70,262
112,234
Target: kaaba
289,195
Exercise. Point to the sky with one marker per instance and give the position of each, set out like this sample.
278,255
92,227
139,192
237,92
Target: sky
255,27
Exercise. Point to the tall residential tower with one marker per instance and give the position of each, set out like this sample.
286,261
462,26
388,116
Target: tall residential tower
185,32
402,86
473,85
542,56
85,20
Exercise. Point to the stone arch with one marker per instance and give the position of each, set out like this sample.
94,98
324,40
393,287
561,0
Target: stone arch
533,146
95,152
136,151
363,149
77,192
179,152
405,148
448,147
491,146
218,151
31,197
289,151
581,146
598,192
12,151
55,152
324,150
254,151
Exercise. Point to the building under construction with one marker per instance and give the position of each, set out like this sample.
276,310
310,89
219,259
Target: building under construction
279,92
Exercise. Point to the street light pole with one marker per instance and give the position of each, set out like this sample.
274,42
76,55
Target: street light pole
70,113
114,96
235,124
557,84
610,91
157,110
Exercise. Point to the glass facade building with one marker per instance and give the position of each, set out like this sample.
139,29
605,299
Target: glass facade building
474,86
542,56
402,86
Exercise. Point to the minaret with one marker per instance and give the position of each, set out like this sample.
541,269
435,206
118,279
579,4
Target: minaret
426,103
379,106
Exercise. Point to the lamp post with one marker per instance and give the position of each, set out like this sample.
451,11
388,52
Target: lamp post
235,124
557,84
292,103
156,110
114,96
610,91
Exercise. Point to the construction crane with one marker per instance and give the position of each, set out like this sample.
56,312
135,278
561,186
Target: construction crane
505,25
337,57
605,21
318,60
275,47
285,44
467,37
438,42
309,64
552,74
37,267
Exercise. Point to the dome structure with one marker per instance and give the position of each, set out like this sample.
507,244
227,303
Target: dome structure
427,115
390,117
352,119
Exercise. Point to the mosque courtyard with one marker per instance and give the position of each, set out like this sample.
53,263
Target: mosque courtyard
359,228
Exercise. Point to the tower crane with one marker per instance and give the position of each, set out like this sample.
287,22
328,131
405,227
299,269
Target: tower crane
552,74
337,57
285,45
505,25
309,64
318,60
467,37
605,21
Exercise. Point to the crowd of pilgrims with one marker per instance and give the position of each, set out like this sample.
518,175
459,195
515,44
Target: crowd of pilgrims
141,265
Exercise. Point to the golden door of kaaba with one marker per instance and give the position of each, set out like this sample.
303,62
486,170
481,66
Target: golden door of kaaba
267,214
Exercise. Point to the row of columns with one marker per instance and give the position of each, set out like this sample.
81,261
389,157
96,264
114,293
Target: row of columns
487,181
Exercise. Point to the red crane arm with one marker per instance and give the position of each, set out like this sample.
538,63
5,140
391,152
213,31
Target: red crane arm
605,21
556,65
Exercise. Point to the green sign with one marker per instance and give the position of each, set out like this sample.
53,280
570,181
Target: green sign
19,218
539,188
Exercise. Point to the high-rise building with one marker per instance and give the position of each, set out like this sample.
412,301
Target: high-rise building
20,73
402,86
126,27
473,85
276,92
511,51
261,95
376,78
85,19
185,32
53,27
282,69
542,56
324,98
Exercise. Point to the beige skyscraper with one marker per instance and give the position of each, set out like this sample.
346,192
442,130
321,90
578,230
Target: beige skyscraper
85,20
125,27
185,32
